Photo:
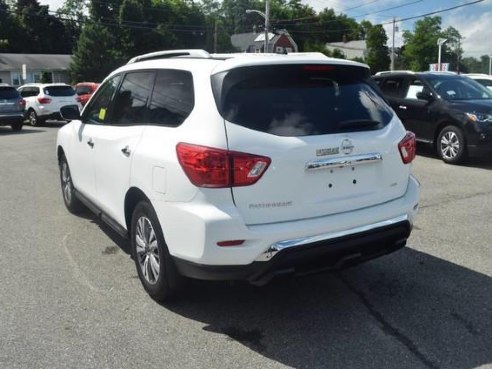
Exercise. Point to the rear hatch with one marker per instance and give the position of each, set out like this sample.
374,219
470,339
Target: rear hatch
60,96
332,140
10,100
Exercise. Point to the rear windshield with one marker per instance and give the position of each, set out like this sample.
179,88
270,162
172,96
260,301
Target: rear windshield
59,91
83,90
8,93
300,100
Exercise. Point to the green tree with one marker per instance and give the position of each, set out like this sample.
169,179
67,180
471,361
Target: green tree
96,54
421,45
377,51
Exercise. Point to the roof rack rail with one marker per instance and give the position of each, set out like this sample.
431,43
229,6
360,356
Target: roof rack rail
192,53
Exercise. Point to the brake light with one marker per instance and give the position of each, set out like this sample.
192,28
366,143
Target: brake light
44,100
408,148
78,99
217,168
22,103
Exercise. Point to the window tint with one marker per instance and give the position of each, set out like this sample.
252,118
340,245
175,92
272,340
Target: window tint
414,88
96,112
59,91
172,99
130,102
83,90
459,88
393,87
300,100
29,91
485,82
8,93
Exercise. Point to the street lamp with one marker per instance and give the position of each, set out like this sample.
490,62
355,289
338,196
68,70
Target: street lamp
440,42
266,16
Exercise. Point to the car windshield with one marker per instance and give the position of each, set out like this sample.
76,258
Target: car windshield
300,100
8,93
459,88
59,91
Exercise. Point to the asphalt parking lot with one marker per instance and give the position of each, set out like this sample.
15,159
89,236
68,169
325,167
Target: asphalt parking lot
70,296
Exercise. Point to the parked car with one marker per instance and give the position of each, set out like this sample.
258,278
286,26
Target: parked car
450,111
241,167
84,91
44,100
12,107
483,79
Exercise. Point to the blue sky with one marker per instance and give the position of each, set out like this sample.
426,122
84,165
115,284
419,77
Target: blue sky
474,22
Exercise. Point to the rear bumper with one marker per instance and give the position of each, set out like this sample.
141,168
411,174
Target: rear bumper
318,256
7,119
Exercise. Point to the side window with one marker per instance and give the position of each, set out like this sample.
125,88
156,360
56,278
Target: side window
394,87
96,112
173,98
130,102
415,86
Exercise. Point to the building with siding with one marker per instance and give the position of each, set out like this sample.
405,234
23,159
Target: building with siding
11,68
279,42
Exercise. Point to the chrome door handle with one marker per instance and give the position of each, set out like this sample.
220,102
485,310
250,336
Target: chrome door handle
126,151
90,143
403,107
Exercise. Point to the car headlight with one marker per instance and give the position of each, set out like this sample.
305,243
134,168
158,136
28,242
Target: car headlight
479,117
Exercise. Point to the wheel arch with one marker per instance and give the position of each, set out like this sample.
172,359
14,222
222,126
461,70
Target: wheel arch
133,196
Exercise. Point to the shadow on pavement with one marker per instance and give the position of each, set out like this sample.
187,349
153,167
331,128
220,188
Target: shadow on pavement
428,151
7,131
408,309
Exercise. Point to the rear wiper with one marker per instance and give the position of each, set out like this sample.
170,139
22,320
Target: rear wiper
358,123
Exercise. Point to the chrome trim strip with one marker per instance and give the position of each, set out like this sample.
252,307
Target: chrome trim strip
344,161
282,245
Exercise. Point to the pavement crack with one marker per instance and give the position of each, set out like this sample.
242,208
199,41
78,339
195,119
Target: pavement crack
387,327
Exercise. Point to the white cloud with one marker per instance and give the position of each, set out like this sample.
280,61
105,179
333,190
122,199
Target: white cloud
476,30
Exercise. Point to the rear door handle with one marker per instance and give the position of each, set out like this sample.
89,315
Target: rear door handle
403,107
126,151
90,143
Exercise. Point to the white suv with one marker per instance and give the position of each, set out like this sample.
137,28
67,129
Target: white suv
44,100
243,166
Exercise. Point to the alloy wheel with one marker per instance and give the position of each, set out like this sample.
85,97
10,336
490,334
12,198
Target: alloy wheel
450,145
147,250
67,186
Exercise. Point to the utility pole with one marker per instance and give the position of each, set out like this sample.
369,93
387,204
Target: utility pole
393,47
440,42
215,36
266,16
267,23
458,56
490,64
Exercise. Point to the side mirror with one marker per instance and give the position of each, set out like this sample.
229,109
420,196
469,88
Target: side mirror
70,112
425,96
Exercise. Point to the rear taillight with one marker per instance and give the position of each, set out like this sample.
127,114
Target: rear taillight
78,99
44,100
22,103
218,168
408,147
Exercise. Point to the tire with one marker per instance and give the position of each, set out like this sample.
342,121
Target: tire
16,127
451,145
72,203
154,265
32,117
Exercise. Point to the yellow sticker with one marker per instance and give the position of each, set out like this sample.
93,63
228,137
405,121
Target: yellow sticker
102,114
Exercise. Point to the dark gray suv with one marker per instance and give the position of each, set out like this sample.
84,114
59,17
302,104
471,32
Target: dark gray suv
12,107
452,112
